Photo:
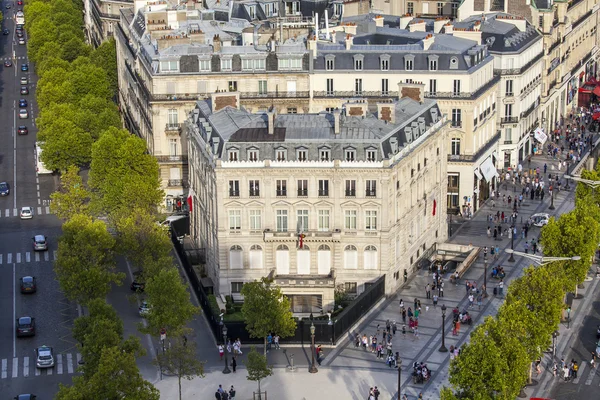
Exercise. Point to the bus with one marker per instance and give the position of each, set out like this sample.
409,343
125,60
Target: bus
20,18
41,169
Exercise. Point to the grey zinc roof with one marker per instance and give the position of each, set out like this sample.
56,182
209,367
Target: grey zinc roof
502,36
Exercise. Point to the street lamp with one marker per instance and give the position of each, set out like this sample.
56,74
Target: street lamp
399,378
443,348
541,260
485,266
568,317
313,369
512,245
226,370
551,200
554,336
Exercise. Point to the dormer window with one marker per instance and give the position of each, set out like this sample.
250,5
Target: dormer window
302,154
233,155
371,155
169,66
281,155
324,154
433,63
358,62
252,12
225,64
409,63
454,63
253,155
329,63
350,154
384,62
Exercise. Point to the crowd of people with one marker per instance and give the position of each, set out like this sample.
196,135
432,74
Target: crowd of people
381,348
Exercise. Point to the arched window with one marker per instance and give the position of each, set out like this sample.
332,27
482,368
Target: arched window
303,260
324,260
236,257
350,257
256,257
370,257
324,247
282,260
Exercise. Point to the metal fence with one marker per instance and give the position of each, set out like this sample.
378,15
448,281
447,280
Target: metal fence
326,332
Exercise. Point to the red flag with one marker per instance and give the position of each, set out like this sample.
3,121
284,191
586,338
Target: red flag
190,201
434,206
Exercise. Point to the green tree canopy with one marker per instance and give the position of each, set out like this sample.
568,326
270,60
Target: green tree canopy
64,144
42,31
72,198
171,307
85,263
54,87
257,367
36,9
266,310
105,56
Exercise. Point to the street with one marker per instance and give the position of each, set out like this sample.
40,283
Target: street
52,312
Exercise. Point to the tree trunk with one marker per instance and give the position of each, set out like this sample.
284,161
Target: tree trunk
529,377
259,395
265,350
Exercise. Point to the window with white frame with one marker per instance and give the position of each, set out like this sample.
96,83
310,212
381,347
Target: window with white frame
371,155
509,87
358,87
173,148
281,154
255,258
371,220
253,64
262,87
324,154
329,86
350,257
370,257
456,87
233,155
350,219
169,66
303,187
455,146
254,187
371,188
410,8
302,154
290,64
255,220
409,63
432,86
323,220
281,185
282,220
234,188
235,220
358,62
253,155
440,8
236,287
433,64
350,155
302,220
225,64
329,63
350,187
204,65
236,257
385,87
172,117
323,187
384,62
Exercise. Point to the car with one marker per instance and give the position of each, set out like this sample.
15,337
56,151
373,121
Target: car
8,63
138,285
144,309
22,130
44,357
25,326
8,6
4,189
24,67
23,103
21,41
19,26
19,33
26,212
28,284
40,243
24,90
23,114
26,397
24,80
540,219
5,32
20,2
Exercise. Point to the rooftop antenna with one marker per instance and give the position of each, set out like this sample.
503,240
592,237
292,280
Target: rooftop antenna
327,37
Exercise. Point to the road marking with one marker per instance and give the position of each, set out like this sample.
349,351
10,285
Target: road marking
4,368
15,212
39,200
46,256
70,363
18,258
25,367
49,371
47,210
15,367
590,378
39,210
38,187
7,213
9,258
54,252
37,372
59,366
78,358
0,258
580,372
37,257
27,257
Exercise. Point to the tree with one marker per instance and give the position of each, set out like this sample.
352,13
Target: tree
97,309
85,263
54,86
42,31
64,144
117,377
266,310
74,48
257,367
89,79
180,360
171,308
72,198
105,56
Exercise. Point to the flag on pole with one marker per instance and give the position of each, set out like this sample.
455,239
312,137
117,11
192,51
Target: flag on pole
190,201
434,206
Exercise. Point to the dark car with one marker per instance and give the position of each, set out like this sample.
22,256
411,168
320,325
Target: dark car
19,26
24,67
26,397
19,34
22,130
4,189
8,63
24,90
5,32
8,6
25,326
138,284
28,284
23,103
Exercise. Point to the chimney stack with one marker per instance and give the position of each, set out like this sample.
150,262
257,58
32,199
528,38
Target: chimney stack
336,121
217,44
271,121
349,42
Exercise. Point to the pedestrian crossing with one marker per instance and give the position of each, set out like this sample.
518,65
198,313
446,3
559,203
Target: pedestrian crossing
13,58
16,212
585,375
28,257
25,366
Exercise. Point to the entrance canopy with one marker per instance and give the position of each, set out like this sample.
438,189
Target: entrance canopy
488,170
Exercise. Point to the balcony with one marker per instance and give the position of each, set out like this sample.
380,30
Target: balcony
302,192
351,93
370,193
531,108
456,124
179,97
234,193
323,193
281,193
474,157
173,129
275,95
176,183
509,120
171,159
350,193
464,95
254,193
519,71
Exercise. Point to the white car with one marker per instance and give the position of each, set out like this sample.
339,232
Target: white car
21,41
144,309
540,219
26,213
23,113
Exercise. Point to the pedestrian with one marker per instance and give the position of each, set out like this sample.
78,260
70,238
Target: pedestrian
276,341
401,303
233,364
221,352
479,298
575,369
428,291
403,315
501,287
441,289
269,342
471,300
376,393
232,391
394,328
435,300
403,330
554,369
454,328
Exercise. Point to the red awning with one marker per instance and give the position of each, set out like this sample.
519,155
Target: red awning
596,116
596,91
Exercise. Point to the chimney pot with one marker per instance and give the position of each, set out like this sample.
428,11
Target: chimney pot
271,122
336,121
